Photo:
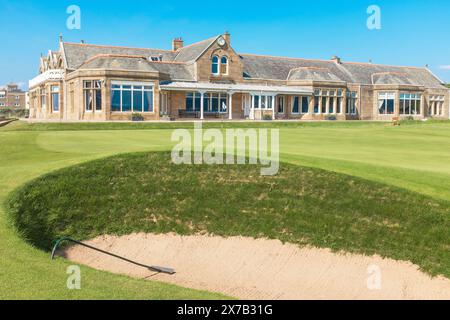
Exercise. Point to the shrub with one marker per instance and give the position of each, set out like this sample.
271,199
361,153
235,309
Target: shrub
137,117
267,117
9,112
331,118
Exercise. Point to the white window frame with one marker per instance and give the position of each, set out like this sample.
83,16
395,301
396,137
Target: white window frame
227,65
385,96
409,96
352,98
218,65
134,84
54,89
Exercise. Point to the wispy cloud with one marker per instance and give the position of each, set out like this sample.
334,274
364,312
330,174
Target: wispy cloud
445,67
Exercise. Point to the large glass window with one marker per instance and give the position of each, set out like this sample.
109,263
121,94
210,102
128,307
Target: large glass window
263,102
410,103
212,102
92,95
316,101
386,103
131,98
295,105
43,99
331,102
436,105
280,104
55,98
352,97
305,105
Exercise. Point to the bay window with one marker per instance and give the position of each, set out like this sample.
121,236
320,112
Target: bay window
410,103
386,103
131,98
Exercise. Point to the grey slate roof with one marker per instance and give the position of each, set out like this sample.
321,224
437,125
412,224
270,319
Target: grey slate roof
255,66
314,74
278,68
192,53
77,54
112,62
137,63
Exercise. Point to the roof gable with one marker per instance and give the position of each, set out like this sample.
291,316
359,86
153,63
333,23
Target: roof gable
194,51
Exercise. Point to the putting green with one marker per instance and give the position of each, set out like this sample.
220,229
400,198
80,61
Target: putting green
413,157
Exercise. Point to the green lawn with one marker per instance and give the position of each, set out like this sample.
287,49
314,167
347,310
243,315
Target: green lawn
414,157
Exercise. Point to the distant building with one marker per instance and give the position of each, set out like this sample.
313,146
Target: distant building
12,96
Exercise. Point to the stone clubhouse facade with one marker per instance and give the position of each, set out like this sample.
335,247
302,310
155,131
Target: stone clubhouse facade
210,80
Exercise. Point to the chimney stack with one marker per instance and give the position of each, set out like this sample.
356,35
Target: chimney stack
227,37
177,44
336,59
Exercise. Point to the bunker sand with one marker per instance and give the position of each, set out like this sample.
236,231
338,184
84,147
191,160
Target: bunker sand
261,269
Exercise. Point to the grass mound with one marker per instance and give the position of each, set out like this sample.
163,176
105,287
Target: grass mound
147,193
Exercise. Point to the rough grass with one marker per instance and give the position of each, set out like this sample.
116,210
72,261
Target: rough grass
146,193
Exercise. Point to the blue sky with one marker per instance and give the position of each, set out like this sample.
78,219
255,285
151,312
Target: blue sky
413,32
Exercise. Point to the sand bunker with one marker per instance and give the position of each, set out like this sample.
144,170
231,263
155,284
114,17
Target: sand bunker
262,269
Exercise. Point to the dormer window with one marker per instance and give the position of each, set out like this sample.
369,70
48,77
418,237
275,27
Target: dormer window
215,65
224,65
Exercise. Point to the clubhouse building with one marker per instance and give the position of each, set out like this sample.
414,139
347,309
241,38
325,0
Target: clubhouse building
210,80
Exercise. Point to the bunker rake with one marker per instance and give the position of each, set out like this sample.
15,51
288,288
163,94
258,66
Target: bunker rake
151,268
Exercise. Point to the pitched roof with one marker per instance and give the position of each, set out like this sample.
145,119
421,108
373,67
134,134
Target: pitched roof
314,74
193,52
255,66
279,68
77,54
139,63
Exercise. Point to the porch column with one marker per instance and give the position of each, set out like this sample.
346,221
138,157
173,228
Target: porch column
327,106
230,105
202,105
311,105
320,104
273,108
335,102
252,108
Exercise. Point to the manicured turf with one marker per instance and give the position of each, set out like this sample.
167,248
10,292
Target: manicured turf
414,157
147,193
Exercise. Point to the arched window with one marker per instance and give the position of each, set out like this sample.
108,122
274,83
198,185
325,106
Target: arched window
215,65
224,65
